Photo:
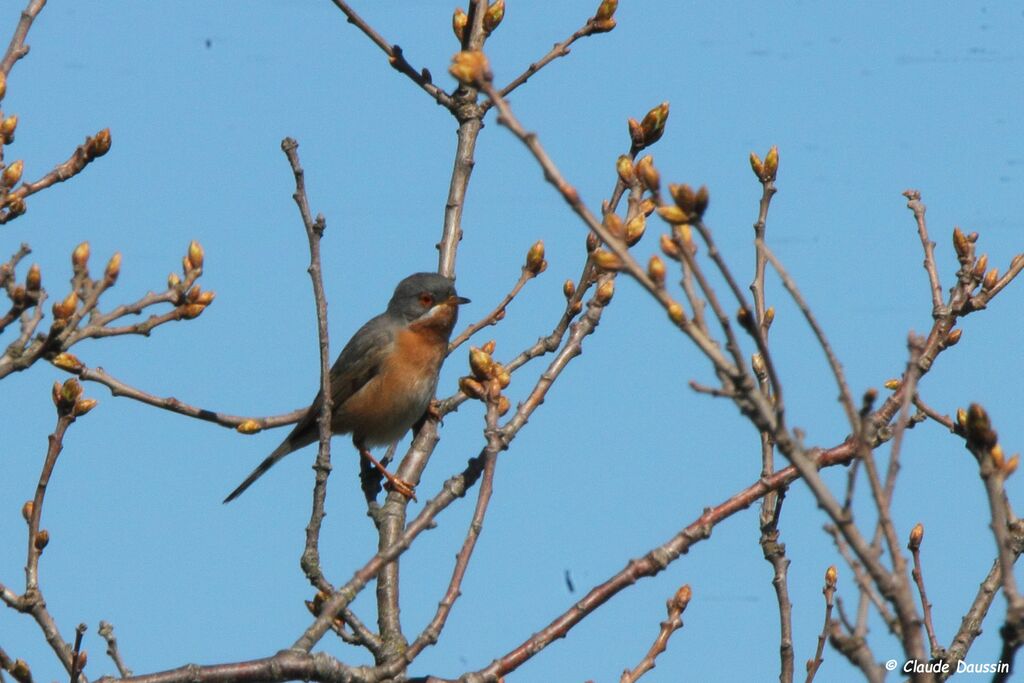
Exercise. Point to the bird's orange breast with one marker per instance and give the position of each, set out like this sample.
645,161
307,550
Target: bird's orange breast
386,407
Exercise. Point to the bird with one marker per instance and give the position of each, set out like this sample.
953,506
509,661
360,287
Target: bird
385,377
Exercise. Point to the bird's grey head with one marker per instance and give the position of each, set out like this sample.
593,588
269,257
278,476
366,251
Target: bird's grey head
423,294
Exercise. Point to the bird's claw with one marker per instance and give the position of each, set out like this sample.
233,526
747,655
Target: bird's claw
434,411
393,483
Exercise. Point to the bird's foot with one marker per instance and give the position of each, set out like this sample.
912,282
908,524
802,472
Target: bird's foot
400,485
434,411
393,483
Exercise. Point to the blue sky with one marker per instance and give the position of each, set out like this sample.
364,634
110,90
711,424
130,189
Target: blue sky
863,99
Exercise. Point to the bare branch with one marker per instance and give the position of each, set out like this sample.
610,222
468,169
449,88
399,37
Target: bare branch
395,56
675,607
17,47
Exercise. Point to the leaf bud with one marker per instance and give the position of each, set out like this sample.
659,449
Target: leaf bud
635,228
15,206
669,247
503,405
831,576
480,363
648,174
892,384
953,337
19,670
607,260
535,262
195,254
27,509
493,16
673,214
996,453
624,167
771,163
593,242
249,427
459,22
190,311
62,310
470,67
113,268
916,535
1011,465
605,292
70,391
471,387
173,281
613,224
675,313
606,10
569,289
12,174
489,346
758,366
701,200
757,165
769,317
80,256
34,279
961,243
653,124
991,278
681,599
41,540
656,271
7,127
980,265
83,406
68,361
99,145
684,197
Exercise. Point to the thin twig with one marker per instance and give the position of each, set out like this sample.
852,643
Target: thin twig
395,56
37,540
845,397
915,204
17,47
495,315
315,227
432,632
76,653
675,607
916,536
558,50
106,632
829,592
253,424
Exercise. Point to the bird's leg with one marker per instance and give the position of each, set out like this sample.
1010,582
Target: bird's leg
394,483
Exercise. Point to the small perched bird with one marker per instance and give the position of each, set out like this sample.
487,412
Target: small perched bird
385,377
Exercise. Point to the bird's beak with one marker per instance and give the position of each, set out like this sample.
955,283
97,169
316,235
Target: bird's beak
454,300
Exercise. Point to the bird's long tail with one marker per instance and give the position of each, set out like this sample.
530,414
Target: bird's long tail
286,447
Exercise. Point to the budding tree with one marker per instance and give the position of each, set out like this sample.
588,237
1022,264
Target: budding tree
833,453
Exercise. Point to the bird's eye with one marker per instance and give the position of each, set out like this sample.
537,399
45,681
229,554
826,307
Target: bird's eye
426,299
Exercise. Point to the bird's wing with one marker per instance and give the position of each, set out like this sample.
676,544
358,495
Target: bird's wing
363,357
